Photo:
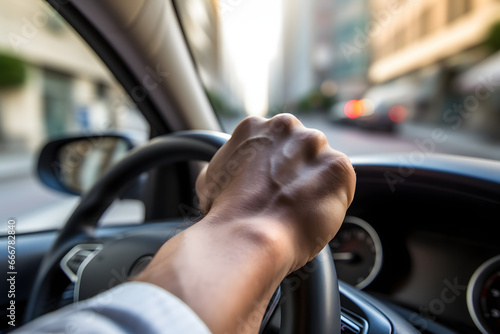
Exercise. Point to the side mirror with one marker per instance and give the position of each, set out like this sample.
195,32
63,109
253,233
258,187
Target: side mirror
73,165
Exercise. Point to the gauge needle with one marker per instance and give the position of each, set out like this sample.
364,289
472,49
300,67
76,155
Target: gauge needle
344,256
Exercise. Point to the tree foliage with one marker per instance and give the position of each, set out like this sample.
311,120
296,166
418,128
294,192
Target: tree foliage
12,71
492,40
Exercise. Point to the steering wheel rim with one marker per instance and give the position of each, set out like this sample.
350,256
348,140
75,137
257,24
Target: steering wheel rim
311,303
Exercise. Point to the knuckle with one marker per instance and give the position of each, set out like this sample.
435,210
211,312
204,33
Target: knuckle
246,127
342,170
339,163
251,121
314,138
283,122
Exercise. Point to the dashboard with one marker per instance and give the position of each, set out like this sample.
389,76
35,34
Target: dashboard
426,249
429,248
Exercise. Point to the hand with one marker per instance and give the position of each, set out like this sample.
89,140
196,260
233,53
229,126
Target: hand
273,196
284,173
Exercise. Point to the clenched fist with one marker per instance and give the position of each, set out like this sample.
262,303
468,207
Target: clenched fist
285,174
273,196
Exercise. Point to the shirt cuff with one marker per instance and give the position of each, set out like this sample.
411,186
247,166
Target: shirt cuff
133,307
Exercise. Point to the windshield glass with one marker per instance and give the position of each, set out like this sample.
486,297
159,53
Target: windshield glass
377,76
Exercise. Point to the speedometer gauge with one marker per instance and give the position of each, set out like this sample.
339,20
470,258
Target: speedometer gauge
357,252
483,296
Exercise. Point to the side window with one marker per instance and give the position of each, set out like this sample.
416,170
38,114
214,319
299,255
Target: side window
52,85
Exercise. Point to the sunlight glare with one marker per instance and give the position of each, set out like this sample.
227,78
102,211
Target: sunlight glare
251,33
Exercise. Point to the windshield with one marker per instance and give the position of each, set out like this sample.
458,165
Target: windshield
377,76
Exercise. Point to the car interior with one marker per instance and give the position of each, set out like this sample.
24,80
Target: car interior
418,251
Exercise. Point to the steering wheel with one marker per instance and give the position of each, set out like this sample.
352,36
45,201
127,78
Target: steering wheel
310,296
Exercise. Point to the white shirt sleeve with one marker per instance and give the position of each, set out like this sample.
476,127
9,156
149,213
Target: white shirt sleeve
133,307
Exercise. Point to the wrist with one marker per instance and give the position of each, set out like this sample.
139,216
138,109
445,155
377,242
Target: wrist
218,263
263,236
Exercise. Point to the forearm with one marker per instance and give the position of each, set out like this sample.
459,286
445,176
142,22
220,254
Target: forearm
226,272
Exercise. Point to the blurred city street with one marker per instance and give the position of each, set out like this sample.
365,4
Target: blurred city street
421,72
355,141
35,206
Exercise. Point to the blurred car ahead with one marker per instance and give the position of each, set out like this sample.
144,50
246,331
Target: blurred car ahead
366,114
381,117
337,113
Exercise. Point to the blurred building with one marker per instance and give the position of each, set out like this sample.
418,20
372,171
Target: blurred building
66,87
421,47
305,52
291,74
323,47
352,49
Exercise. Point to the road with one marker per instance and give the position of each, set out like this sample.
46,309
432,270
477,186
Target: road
408,138
36,207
